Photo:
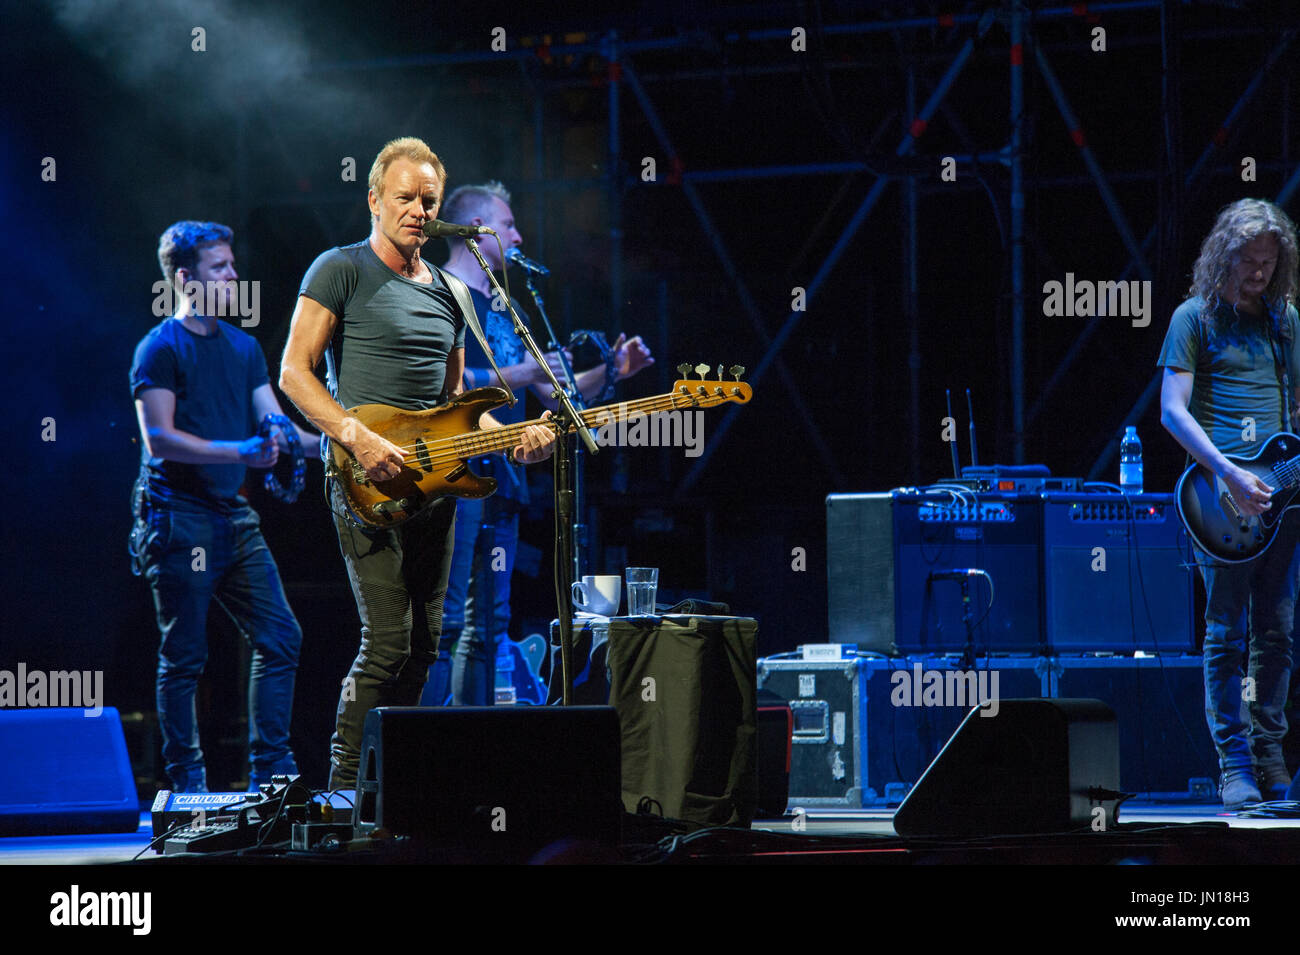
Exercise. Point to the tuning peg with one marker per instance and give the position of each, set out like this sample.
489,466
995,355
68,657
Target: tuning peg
684,369
701,370
719,373
736,370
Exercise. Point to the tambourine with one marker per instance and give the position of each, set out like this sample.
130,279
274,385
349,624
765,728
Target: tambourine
299,477
606,355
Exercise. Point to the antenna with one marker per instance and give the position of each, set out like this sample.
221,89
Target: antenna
970,410
956,463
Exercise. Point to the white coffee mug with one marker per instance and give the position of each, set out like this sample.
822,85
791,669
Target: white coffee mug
598,594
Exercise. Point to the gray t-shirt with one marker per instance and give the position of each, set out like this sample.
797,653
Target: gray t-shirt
1236,376
394,335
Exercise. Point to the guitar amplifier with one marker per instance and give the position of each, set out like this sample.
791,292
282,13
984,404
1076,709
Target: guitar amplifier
1117,574
884,552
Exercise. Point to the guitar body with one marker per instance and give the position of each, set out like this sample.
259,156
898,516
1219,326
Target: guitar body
524,674
428,474
1211,517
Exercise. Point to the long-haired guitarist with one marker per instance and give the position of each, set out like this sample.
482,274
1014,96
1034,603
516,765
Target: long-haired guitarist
200,386
1231,371
391,329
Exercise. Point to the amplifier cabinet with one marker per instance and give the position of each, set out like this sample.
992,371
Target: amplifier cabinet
860,570
1159,703
1117,573
884,552
1071,573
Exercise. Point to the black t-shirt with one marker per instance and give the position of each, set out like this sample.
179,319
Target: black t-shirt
213,377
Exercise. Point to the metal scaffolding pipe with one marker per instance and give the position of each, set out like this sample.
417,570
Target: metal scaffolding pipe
614,161
915,130
1289,188
911,303
733,275
699,39
1094,168
1017,64
1198,168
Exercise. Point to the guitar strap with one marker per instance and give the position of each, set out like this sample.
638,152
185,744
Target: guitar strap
460,292
1281,353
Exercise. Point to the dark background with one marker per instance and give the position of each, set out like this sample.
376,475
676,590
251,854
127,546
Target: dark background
253,132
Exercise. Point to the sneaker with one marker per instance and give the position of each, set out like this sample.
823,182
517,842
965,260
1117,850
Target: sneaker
1237,788
263,773
194,780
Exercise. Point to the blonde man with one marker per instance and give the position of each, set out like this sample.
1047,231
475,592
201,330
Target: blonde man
392,331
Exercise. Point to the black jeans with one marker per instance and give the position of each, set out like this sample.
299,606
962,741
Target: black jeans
393,573
193,556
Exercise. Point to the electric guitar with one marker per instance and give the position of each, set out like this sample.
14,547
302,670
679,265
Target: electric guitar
438,443
1214,522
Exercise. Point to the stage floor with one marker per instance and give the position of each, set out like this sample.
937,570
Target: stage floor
821,826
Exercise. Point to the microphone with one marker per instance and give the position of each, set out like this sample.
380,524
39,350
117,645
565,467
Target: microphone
957,573
524,262
437,229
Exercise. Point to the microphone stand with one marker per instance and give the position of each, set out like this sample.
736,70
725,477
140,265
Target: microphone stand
579,485
566,419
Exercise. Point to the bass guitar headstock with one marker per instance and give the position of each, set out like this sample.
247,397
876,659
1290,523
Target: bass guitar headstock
704,393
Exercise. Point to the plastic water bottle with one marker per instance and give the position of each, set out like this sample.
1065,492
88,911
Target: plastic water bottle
1130,462
504,685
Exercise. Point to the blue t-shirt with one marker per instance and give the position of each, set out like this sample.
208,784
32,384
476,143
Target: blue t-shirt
394,335
1235,373
213,377
499,330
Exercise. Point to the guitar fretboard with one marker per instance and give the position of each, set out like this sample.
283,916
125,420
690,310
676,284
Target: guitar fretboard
494,440
1288,472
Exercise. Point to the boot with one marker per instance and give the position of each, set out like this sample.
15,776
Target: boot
1273,777
1237,788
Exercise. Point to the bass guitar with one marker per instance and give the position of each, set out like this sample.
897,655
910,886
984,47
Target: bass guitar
439,442
1214,522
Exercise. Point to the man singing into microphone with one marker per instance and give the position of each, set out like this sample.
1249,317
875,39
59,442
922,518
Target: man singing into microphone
487,531
392,331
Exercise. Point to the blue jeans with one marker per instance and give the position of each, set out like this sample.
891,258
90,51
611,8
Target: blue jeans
1249,612
393,574
487,540
193,556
